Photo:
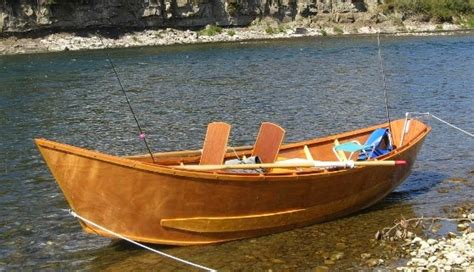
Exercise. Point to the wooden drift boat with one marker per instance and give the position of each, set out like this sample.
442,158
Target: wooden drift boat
159,202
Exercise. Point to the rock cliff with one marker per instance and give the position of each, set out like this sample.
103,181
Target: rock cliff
28,15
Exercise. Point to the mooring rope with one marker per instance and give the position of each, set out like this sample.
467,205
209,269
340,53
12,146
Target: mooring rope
441,120
451,125
74,214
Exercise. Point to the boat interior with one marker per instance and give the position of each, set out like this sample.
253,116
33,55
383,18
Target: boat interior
269,146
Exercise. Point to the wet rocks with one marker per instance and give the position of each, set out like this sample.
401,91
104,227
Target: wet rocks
463,226
336,256
365,256
443,190
332,258
374,262
453,252
341,245
457,180
321,268
329,262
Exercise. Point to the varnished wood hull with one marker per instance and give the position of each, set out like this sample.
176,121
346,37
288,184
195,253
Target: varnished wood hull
158,204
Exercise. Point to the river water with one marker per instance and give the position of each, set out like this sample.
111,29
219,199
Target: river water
311,87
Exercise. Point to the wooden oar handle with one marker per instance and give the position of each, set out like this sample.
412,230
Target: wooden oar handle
380,163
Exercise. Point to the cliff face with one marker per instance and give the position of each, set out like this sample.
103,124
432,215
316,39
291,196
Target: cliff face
26,15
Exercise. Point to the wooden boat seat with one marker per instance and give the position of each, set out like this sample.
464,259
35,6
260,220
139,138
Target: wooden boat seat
215,143
269,139
308,157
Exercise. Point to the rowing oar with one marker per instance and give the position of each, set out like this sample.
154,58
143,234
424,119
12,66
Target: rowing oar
189,153
294,163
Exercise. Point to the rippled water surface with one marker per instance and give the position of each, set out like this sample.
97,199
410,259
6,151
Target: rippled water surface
311,87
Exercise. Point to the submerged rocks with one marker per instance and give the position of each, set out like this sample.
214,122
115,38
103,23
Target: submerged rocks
337,256
374,262
365,256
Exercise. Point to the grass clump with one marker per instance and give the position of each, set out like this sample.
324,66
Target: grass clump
338,30
269,30
470,21
231,32
275,30
323,32
281,29
50,2
211,30
438,10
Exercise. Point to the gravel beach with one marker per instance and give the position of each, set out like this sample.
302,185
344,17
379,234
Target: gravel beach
261,30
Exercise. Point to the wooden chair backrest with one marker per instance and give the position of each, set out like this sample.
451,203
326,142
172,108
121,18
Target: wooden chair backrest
215,143
269,139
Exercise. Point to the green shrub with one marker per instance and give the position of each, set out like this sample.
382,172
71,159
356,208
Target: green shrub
269,30
281,29
470,21
274,30
231,32
323,32
439,10
338,30
50,2
211,30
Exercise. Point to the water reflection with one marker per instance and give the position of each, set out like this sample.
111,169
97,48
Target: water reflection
305,248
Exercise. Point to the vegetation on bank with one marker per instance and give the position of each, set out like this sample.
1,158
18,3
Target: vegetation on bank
211,30
270,30
338,30
436,10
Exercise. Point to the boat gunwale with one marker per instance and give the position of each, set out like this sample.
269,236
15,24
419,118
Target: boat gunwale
126,161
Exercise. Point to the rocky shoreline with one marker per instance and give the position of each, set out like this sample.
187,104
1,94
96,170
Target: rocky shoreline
259,30
453,253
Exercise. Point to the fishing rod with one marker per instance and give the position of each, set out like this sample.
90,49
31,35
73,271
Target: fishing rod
142,134
384,82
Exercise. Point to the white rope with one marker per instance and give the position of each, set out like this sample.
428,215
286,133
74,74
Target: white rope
439,119
451,125
235,153
138,244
